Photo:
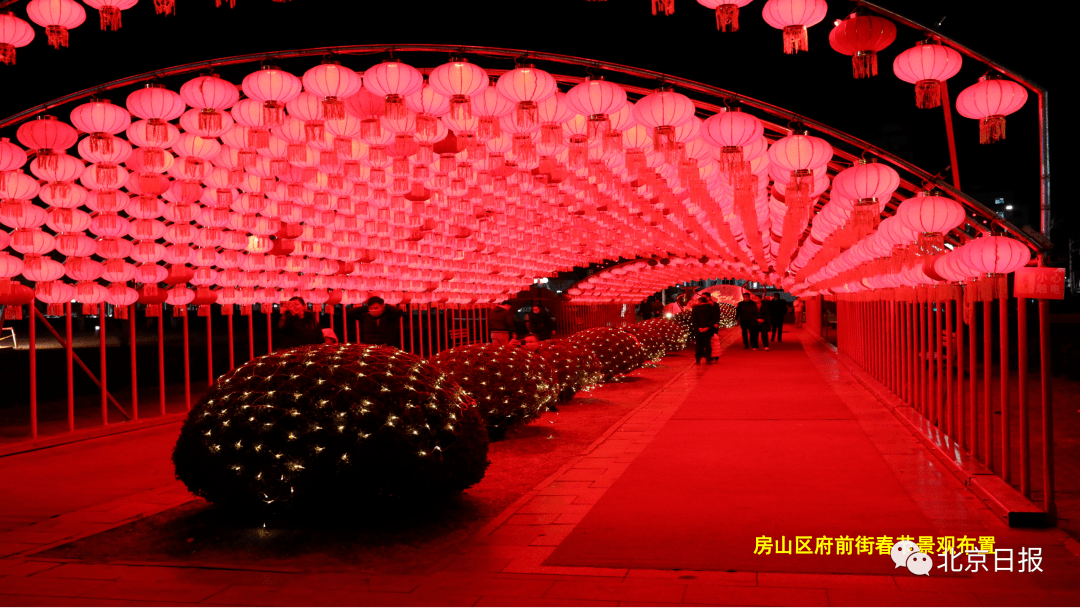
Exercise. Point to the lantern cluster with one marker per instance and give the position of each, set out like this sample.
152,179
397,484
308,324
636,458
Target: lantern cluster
299,429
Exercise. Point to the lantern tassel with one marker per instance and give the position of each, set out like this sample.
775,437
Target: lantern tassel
864,64
120,312
333,108
460,107
101,142
13,313
259,138
57,35
395,107
179,311
931,243
314,130
928,94
731,158
667,7
370,128
991,129
90,310
110,18
209,120
273,114
727,17
865,217
203,311
54,310
526,113
7,53
165,7
426,125
795,39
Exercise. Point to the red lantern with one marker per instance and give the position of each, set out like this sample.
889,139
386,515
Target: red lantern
794,16
596,99
158,105
460,81
862,37
990,100
730,131
662,111
57,17
55,294
110,11
393,81
14,33
47,136
526,86
926,65
993,257
727,13
101,120
274,88
332,83
931,217
210,95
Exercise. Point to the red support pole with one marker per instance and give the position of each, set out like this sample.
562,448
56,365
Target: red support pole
430,332
70,368
903,364
33,371
161,359
973,383
412,336
917,360
209,348
939,384
187,364
1049,506
1022,386
1003,372
270,328
251,333
961,435
104,378
134,370
950,353
988,401
232,354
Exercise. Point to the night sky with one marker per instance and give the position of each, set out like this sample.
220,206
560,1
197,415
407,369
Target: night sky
817,84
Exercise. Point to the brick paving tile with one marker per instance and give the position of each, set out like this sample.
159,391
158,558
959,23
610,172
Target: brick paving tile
589,497
594,462
532,576
639,590
531,519
7,549
582,474
821,581
47,600
30,536
494,600
245,595
726,578
569,485
537,554
89,571
731,595
477,564
20,585
551,535
511,535
486,586
874,597
532,507
189,593
535,566
393,583
569,518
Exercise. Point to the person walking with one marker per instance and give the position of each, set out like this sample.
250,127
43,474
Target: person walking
502,324
380,323
764,324
746,313
704,319
297,326
540,323
778,309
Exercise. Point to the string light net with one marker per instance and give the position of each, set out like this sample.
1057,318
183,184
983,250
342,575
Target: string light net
576,367
319,425
618,352
727,315
511,385
685,320
653,343
674,335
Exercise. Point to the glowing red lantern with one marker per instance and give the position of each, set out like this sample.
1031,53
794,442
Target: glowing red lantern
46,136
662,111
526,86
157,105
794,16
597,99
109,11
101,120
210,95
274,88
57,17
990,100
862,37
332,83
14,33
459,80
931,217
393,81
730,131
727,13
926,65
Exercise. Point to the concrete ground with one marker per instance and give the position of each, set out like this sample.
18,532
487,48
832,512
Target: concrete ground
110,482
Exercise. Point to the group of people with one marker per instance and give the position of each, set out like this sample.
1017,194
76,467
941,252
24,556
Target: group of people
705,316
379,323
760,319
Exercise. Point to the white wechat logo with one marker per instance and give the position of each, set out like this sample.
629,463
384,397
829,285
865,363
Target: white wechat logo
907,553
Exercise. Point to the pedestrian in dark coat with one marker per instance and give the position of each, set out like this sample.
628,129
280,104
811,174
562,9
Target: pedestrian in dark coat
380,323
540,322
705,318
764,324
746,313
778,309
297,326
502,323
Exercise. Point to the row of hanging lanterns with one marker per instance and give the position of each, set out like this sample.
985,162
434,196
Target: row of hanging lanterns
338,184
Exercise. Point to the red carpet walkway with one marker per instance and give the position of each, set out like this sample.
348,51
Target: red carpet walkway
762,446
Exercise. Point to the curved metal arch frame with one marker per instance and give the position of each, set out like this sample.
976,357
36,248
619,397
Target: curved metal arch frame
686,84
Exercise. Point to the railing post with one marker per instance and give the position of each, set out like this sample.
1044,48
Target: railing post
134,367
69,368
161,358
950,353
232,354
209,347
1047,411
1003,367
973,380
33,371
961,436
1022,396
187,362
988,400
104,378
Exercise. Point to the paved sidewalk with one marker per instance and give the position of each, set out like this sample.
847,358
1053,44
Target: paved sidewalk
505,563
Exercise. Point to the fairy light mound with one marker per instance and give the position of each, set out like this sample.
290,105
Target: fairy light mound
727,315
511,385
576,367
685,319
651,340
675,336
618,352
320,425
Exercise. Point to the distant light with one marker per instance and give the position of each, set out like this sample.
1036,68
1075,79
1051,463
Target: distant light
97,327
1008,207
